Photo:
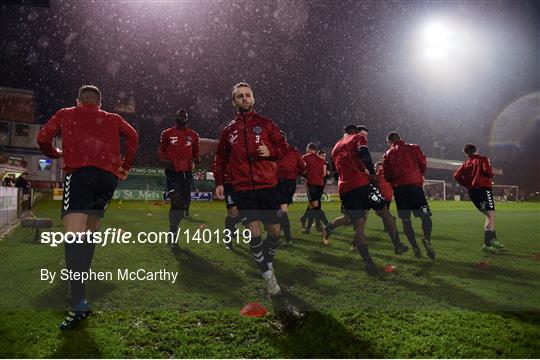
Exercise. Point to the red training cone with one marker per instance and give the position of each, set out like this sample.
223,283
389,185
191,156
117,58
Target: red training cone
253,310
483,264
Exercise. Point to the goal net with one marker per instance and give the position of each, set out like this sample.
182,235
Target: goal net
435,189
506,192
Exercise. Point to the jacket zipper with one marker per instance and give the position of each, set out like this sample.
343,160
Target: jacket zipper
247,153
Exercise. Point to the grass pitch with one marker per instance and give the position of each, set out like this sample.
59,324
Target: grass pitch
447,308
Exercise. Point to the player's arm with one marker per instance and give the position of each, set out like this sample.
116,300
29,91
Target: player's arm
277,144
487,170
387,170
458,175
163,154
301,165
421,160
47,134
336,174
132,141
219,164
195,148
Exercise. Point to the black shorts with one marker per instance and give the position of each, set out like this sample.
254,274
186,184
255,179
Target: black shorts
286,188
482,198
358,201
410,198
230,196
88,190
179,181
259,205
314,192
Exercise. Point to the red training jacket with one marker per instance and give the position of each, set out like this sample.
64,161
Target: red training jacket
475,172
237,149
291,165
384,186
180,146
90,137
350,168
314,169
404,164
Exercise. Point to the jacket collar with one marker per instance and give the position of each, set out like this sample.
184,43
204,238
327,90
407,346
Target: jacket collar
89,107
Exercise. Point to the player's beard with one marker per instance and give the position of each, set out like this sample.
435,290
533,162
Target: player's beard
243,109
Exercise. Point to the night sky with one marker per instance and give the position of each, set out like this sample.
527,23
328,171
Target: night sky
314,67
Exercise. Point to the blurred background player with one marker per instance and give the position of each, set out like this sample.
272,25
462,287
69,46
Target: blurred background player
93,165
322,154
476,175
315,173
289,167
404,166
179,152
249,147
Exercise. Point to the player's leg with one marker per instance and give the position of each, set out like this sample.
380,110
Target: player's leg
421,209
484,202
231,220
285,223
342,220
360,243
377,202
187,183
175,216
87,197
312,206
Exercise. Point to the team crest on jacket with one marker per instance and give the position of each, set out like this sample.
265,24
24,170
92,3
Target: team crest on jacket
257,130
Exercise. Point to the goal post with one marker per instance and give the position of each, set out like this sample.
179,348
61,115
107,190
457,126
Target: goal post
435,189
506,192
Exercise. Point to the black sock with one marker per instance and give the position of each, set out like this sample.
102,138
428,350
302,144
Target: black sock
256,246
395,238
322,216
286,226
364,252
427,224
311,218
409,232
175,215
230,224
78,259
272,244
489,236
306,213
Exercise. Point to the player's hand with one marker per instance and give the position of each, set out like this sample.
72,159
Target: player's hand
263,151
122,173
220,192
58,153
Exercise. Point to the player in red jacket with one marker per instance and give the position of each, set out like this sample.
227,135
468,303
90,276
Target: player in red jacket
390,222
476,175
315,174
288,169
93,165
404,166
353,163
179,152
249,147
